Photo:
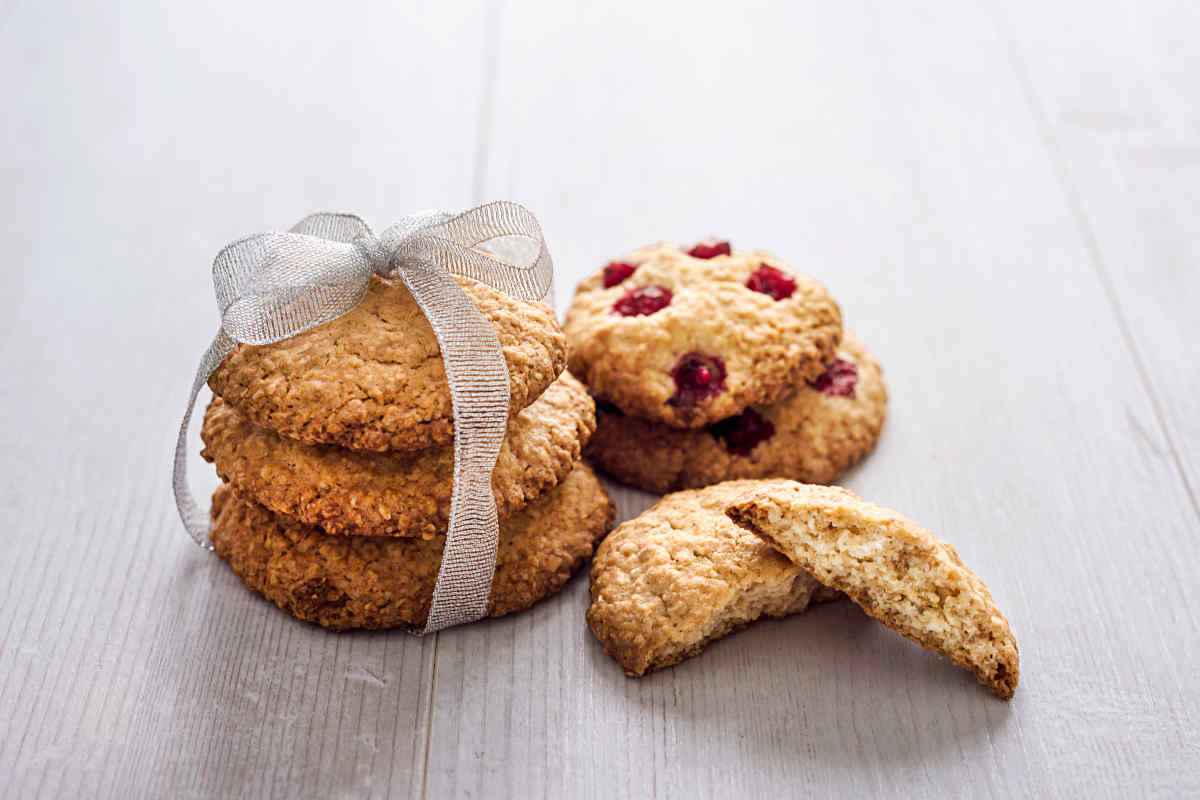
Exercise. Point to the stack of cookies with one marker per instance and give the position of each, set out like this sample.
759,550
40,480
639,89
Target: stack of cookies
710,364
336,448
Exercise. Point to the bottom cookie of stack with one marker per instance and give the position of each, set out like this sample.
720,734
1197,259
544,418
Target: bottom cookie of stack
812,435
343,582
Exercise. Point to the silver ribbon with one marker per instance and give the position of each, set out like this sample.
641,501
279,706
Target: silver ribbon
274,286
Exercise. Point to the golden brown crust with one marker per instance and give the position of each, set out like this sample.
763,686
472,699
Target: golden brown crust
382,582
397,493
767,346
681,575
817,437
373,378
899,573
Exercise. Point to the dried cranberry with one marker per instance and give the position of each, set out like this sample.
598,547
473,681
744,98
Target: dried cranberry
710,248
743,433
838,380
616,272
771,281
643,301
697,377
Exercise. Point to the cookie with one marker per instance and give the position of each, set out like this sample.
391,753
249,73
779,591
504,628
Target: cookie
396,493
686,341
681,575
373,378
382,582
812,435
900,573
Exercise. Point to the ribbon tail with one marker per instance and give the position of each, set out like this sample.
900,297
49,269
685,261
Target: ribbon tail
194,519
479,391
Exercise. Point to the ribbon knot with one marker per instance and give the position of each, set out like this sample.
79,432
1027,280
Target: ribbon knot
375,253
273,286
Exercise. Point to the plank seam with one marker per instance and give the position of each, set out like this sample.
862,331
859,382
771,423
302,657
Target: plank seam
1092,246
491,58
433,673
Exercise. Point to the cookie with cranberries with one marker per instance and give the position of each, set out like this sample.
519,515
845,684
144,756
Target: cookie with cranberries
812,435
688,336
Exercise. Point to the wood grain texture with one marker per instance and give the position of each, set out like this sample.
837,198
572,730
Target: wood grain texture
135,143
1002,195
1117,103
903,166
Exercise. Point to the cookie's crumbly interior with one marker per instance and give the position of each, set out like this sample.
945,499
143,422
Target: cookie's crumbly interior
899,574
766,598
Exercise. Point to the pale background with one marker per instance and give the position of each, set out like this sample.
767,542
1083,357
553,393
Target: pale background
1004,195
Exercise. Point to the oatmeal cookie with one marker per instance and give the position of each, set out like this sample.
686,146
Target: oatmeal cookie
900,573
343,582
395,493
812,435
690,338
373,378
681,575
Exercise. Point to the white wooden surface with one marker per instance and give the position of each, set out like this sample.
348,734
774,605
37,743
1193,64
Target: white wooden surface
1004,195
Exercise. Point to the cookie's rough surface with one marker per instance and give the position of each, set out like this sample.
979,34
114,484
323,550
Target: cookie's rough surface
899,573
809,435
681,575
373,378
381,582
706,347
397,493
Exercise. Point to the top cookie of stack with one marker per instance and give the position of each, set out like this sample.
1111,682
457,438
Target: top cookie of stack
710,364
373,378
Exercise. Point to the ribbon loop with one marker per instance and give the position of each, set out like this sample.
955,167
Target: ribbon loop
276,285
273,286
334,227
504,230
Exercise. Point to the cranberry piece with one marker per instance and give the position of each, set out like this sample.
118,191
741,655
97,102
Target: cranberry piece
771,281
616,272
710,248
838,380
643,301
743,433
697,378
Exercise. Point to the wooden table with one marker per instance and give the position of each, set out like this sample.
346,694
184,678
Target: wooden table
1002,194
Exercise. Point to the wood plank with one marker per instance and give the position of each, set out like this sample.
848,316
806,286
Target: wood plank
858,142
1118,99
137,141
890,151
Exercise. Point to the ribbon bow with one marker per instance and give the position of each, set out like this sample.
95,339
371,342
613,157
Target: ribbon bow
273,286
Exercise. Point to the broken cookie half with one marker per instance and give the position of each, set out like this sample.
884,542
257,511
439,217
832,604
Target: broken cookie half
900,573
681,575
